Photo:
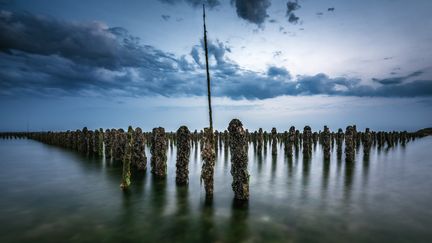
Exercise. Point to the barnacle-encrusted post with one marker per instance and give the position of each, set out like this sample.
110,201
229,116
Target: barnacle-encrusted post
139,158
100,142
158,151
326,142
367,142
209,156
126,177
183,153
274,141
349,144
260,141
239,160
307,142
291,141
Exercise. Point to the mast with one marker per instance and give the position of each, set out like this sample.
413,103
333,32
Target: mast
208,73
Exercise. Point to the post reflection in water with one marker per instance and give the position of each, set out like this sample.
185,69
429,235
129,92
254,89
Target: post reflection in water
260,163
296,151
365,169
239,227
158,195
290,167
326,174
226,152
290,197
305,178
348,180
207,227
273,167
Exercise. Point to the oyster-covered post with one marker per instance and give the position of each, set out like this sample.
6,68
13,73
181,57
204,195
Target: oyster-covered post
260,141
239,160
126,177
100,144
367,142
326,142
349,144
183,153
291,140
274,141
307,142
139,158
208,155
158,150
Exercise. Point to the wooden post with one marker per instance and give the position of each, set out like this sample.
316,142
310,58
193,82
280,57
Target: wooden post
208,73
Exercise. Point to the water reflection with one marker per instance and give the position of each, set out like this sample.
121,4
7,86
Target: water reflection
226,152
305,178
290,167
239,227
309,195
207,227
348,180
182,217
259,163
338,165
365,168
158,195
273,167
296,150
326,174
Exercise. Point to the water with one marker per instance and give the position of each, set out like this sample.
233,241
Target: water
49,194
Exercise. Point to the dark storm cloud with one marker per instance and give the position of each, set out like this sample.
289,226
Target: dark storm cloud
6,2
293,19
217,58
41,56
397,80
291,7
195,3
165,17
91,44
331,9
254,11
278,72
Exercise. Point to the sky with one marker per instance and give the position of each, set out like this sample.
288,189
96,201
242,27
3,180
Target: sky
108,63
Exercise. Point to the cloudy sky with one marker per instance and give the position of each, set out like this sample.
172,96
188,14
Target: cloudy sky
108,63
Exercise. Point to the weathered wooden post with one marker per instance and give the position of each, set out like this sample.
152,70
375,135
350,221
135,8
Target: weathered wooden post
119,144
349,144
139,158
367,142
260,141
208,152
100,141
208,156
183,153
158,151
239,160
126,177
108,143
326,143
307,142
274,141
291,140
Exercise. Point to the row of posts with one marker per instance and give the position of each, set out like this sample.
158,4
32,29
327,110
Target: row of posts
129,147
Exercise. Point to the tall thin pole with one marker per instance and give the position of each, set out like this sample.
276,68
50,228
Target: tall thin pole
208,73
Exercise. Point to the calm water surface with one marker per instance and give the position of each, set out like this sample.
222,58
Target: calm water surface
49,194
